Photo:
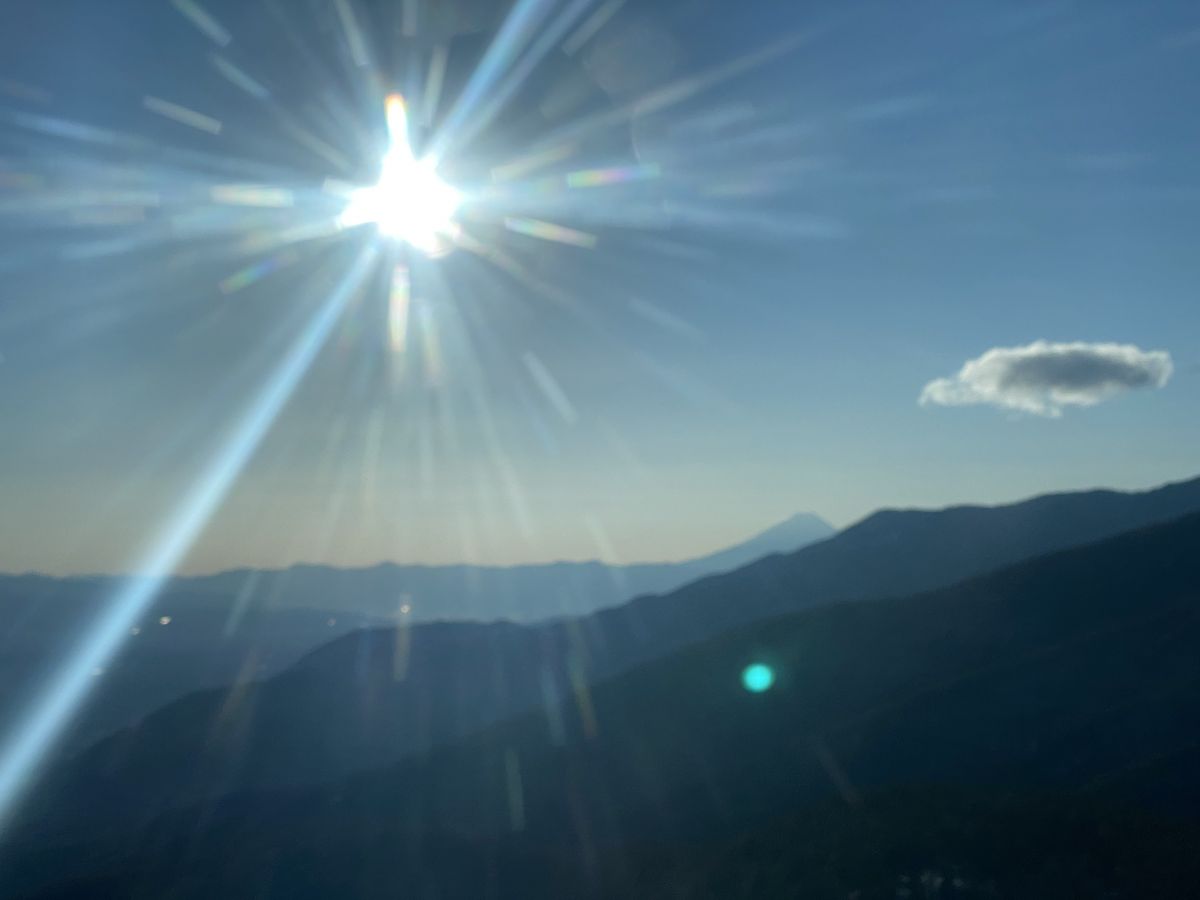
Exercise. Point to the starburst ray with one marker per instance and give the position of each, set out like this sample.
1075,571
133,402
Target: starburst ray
251,200
53,709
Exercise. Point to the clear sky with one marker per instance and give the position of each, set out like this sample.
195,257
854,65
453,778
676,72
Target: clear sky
765,228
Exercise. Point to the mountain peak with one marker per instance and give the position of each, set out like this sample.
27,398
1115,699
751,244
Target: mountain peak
794,532
807,519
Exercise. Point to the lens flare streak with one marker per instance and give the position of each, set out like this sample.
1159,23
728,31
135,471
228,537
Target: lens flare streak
214,207
52,711
590,178
182,114
548,231
518,27
398,305
203,20
243,278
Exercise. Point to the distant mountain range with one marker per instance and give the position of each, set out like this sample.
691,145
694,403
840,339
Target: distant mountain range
1032,732
380,695
250,624
520,593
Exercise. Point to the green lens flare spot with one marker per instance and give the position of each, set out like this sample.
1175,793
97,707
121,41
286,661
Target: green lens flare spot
757,678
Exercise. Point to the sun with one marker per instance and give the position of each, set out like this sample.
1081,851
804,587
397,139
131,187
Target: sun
410,201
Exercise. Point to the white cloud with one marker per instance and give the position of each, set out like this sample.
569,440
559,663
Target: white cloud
1042,378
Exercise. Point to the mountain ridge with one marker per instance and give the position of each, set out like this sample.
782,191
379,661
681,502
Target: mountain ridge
1017,683
379,695
815,527
200,632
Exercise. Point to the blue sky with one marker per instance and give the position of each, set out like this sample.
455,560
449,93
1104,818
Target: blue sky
817,237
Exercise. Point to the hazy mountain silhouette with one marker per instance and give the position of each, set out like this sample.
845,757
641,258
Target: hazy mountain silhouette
1025,733
889,553
378,695
787,536
205,641
520,593
251,624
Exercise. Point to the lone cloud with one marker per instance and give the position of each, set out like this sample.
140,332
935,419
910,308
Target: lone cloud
1042,378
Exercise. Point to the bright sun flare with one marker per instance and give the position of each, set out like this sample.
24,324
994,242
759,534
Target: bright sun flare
410,202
